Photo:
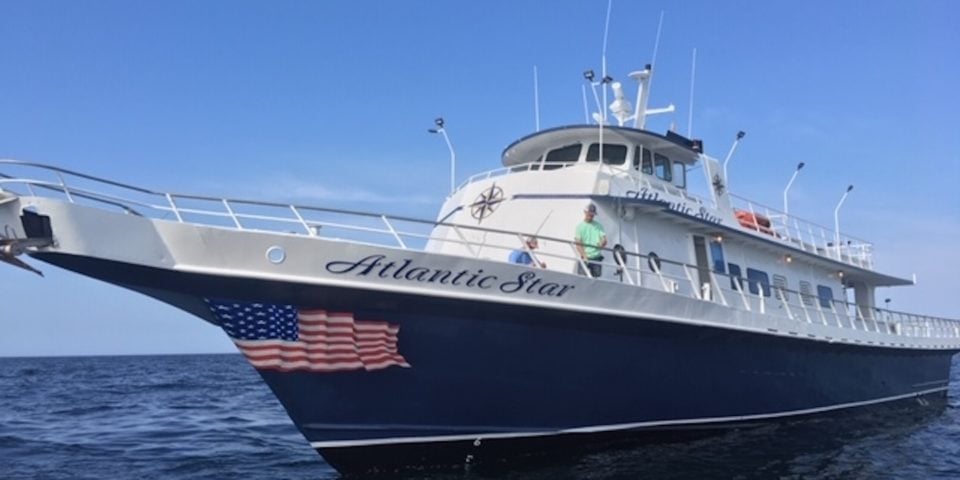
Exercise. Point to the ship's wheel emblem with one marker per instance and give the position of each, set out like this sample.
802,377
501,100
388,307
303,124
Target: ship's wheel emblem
486,202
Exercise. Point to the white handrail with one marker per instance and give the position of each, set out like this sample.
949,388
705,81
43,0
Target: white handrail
66,190
849,249
173,207
303,222
394,232
236,221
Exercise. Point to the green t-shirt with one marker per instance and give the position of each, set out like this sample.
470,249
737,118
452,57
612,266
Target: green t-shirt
590,234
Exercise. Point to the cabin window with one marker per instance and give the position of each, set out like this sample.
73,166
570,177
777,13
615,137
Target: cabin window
736,281
567,154
647,165
612,154
679,175
661,164
716,254
825,294
757,280
780,282
806,293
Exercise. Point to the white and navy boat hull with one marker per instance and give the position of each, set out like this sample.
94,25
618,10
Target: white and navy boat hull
388,357
488,379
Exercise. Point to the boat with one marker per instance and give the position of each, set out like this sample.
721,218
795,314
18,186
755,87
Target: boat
397,342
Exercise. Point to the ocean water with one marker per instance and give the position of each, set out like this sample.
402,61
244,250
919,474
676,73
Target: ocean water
210,417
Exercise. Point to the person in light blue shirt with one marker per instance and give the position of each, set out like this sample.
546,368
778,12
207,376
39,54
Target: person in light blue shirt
524,256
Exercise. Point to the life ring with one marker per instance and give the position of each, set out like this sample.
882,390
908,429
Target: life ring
754,221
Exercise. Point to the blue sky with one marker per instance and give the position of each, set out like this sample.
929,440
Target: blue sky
329,102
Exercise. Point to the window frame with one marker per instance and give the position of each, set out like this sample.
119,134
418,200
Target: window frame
606,146
642,159
736,276
681,180
546,156
825,302
660,159
717,257
757,279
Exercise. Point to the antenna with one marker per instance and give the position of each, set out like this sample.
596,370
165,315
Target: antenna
644,80
604,80
693,77
536,97
603,62
453,155
656,47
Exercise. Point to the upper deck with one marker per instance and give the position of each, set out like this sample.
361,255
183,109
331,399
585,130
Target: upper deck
639,164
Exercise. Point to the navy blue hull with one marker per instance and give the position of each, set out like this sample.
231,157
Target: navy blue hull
491,370
484,372
508,456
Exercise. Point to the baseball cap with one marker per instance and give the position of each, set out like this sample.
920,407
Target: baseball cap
590,208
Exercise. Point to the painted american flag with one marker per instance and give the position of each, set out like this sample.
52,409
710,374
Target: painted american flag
285,338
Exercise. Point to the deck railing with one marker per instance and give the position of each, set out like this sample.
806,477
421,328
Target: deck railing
805,235
406,233
779,226
501,171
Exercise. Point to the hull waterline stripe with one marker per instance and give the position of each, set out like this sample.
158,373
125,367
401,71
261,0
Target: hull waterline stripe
943,382
609,428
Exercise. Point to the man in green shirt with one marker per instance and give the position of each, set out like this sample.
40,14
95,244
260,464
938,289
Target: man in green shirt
590,239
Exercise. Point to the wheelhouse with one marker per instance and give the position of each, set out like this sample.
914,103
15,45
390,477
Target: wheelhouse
663,158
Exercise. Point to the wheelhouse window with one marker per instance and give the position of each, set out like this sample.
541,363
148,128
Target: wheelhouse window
646,166
566,154
679,175
613,154
825,294
756,280
661,165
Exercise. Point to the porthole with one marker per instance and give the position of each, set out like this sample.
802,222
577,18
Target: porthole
276,255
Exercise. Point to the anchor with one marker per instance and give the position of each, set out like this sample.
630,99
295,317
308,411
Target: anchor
11,248
38,234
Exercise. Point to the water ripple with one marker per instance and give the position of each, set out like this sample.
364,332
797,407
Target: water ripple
211,417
